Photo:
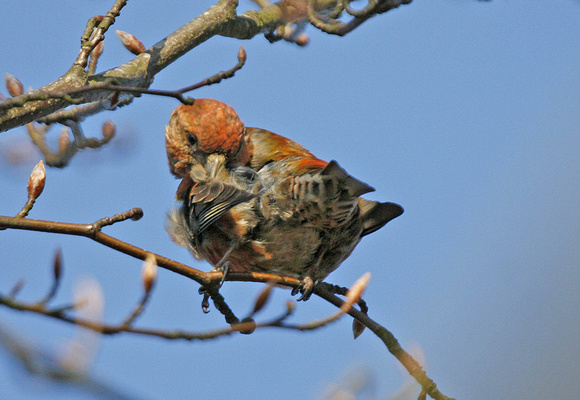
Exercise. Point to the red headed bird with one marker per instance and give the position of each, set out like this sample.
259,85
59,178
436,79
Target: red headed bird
255,201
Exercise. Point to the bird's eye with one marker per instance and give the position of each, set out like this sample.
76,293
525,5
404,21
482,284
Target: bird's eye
191,139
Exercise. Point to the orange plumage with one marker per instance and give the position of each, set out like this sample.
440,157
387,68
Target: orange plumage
257,201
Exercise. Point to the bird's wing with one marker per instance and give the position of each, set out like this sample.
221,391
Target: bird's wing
208,201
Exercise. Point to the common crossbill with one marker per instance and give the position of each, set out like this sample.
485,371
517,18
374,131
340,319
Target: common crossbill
252,200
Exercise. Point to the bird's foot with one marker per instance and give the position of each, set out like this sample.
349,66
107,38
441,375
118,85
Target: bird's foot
205,301
224,267
306,288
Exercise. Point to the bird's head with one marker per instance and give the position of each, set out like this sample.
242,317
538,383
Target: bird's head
206,127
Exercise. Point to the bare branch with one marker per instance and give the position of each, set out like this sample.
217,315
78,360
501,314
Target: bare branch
209,280
138,72
330,24
93,231
352,296
247,325
57,273
95,32
220,19
390,342
369,9
16,288
95,54
357,326
71,95
79,113
66,149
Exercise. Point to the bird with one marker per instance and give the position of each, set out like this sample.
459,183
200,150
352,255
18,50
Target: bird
251,200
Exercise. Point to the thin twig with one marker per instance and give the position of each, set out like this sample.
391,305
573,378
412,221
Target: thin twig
79,113
16,288
332,25
392,344
95,32
220,19
246,326
71,95
340,290
57,273
368,10
139,308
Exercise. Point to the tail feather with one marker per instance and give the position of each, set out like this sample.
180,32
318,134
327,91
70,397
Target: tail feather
354,186
375,215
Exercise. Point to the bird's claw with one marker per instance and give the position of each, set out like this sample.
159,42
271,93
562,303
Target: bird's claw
225,267
205,301
306,288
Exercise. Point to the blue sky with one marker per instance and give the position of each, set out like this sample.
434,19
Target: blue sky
466,113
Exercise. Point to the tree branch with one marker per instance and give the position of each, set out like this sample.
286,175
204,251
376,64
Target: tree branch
220,19
138,72
93,231
207,279
390,342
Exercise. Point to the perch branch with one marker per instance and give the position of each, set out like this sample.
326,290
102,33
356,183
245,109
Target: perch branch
207,279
